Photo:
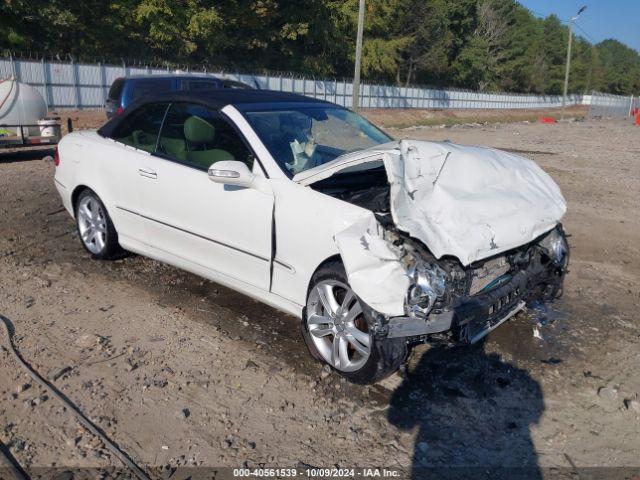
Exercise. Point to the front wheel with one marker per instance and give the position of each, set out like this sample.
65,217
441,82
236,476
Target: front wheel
96,231
337,330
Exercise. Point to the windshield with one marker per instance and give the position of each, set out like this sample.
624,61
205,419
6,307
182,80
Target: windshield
301,138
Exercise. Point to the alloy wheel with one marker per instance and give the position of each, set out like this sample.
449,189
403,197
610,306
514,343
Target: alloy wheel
337,326
92,224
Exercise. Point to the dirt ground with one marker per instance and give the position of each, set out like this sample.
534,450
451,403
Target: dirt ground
392,118
180,371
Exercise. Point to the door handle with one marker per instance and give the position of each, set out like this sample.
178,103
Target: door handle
145,172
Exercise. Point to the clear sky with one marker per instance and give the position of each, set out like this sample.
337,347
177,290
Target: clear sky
619,19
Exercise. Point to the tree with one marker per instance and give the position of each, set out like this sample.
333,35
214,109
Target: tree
425,56
621,68
477,44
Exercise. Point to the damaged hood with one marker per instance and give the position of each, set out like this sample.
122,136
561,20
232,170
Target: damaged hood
467,202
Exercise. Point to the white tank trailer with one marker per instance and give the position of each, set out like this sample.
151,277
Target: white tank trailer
21,104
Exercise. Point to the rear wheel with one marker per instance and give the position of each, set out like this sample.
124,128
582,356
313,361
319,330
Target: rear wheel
96,231
337,330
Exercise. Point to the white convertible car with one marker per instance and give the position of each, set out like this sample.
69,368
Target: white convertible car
374,244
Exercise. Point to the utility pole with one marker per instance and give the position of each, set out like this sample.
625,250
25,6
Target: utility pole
566,72
356,76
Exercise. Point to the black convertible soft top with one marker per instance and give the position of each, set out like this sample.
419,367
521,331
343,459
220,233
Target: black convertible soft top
214,99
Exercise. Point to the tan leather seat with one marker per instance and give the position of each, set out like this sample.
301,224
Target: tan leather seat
200,136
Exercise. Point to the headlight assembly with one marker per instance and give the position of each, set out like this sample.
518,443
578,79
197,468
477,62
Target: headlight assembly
428,282
555,246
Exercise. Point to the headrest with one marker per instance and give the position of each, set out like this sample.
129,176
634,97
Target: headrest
197,130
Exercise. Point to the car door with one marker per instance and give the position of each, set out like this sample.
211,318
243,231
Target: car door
127,160
222,228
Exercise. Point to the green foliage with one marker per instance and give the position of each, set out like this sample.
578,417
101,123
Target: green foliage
476,44
620,67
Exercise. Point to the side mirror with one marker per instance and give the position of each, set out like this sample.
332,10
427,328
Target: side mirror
231,172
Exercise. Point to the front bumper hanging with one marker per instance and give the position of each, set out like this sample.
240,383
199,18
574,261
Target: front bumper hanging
471,317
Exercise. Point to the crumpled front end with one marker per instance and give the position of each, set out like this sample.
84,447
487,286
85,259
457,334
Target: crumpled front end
469,236
415,295
470,202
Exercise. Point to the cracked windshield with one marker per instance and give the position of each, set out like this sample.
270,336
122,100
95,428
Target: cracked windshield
303,138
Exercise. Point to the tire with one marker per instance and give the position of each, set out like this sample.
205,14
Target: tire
95,228
329,329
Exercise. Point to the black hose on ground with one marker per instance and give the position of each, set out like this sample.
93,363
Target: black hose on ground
9,466
82,419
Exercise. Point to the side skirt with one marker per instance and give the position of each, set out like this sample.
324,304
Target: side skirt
271,299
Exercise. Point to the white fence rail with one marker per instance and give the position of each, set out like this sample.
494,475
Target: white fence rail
78,85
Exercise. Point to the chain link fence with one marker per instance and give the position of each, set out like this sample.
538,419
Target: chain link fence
604,105
82,85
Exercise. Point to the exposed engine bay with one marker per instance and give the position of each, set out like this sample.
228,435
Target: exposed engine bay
440,294
368,189
443,294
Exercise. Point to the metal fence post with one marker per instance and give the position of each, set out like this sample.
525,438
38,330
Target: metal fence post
74,76
344,92
14,70
45,84
103,81
630,106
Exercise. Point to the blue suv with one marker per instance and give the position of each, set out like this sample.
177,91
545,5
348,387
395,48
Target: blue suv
125,90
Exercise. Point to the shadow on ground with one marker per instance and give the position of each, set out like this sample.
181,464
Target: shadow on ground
10,156
473,412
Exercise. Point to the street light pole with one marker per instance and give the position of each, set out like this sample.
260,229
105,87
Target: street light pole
356,76
566,72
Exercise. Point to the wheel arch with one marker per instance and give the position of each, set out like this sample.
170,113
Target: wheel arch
333,258
76,194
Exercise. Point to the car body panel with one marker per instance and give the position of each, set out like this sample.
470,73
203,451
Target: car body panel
108,168
306,222
78,169
373,266
217,226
